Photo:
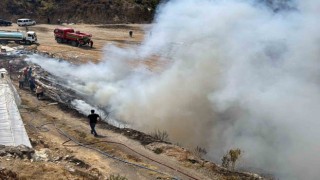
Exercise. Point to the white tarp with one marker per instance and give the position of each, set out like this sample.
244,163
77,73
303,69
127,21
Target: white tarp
12,131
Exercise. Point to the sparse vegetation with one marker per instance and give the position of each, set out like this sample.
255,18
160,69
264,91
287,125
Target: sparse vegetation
82,134
160,135
200,152
117,177
229,160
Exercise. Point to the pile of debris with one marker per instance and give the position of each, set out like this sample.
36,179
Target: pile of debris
21,151
16,50
54,88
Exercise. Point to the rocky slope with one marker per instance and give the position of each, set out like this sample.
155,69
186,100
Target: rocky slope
80,11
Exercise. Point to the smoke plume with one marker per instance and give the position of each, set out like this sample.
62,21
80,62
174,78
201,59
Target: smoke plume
241,73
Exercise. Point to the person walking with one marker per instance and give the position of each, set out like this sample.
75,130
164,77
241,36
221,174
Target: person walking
93,118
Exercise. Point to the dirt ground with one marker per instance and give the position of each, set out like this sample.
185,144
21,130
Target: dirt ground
63,159
102,35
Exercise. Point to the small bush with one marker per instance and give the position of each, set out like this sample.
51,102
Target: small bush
200,152
229,160
158,151
160,135
116,177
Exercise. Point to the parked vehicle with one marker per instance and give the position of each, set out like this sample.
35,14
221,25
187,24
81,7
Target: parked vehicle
18,37
75,38
5,23
26,22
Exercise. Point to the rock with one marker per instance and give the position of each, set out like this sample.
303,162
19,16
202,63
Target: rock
26,151
254,176
68,157
20,151
42,155
16,152
59,158
71,170
78,162
9,155
3,152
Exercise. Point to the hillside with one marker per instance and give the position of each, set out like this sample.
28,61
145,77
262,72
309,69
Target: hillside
80,11
55,157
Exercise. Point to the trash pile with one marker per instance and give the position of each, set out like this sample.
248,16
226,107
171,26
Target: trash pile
7,50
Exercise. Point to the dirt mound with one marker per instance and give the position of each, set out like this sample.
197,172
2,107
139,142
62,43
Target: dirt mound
80,11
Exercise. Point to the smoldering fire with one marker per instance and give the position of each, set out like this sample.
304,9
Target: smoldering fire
242,75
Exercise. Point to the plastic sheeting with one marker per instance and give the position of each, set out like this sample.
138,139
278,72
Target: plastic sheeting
12,130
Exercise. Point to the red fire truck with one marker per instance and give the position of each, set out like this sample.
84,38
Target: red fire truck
75,38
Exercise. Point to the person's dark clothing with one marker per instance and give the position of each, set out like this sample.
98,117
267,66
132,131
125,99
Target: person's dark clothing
32,85
93,130
93,118
29,73
40,95
26,80
21,84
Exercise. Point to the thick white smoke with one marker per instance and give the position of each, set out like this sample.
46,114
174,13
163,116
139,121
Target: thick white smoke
241,75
